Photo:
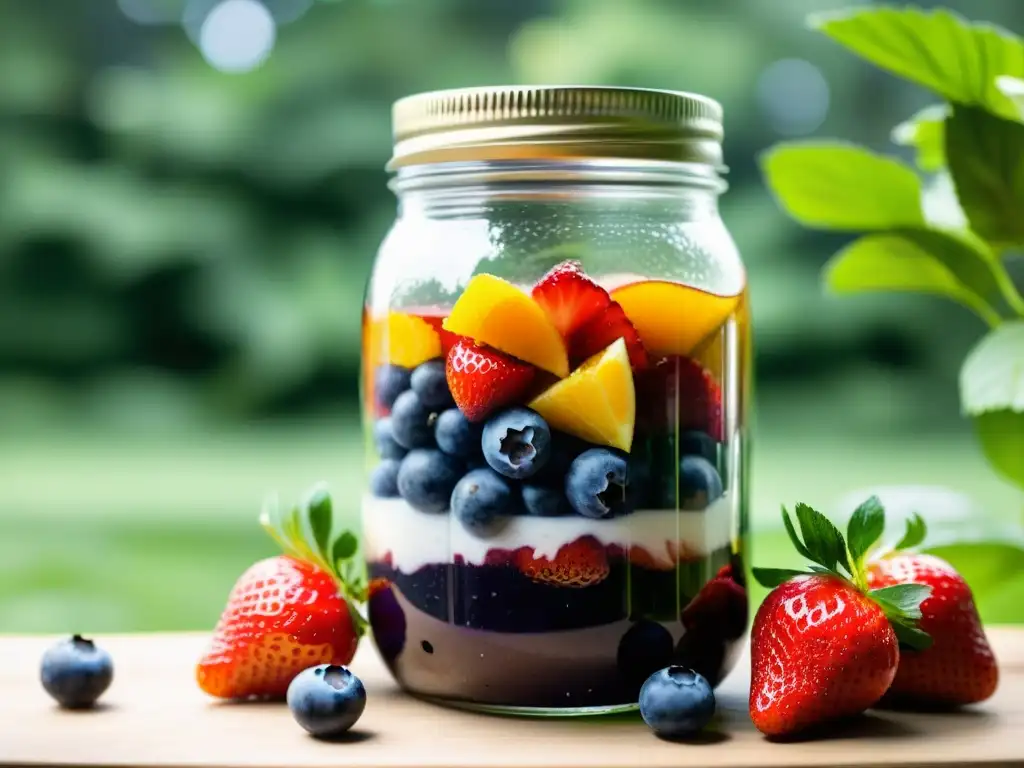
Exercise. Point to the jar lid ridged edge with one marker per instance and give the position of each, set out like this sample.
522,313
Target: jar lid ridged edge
558,121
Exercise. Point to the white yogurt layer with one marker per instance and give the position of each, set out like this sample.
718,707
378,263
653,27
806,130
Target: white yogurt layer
415,538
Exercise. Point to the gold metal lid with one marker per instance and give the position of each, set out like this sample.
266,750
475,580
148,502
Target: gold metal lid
556,122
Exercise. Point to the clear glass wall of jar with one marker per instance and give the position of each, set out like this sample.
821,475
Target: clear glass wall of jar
556,398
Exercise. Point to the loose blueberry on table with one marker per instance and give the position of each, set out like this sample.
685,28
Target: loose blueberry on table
76,672
326,700
676,702
554,451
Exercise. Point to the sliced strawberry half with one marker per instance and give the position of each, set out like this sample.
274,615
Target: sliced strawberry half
609,326
580,563
570,298
585,315
482,380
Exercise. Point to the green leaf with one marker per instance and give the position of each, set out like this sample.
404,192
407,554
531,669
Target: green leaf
905,598
1013,89
270,516
319,509
937,49
923,261
834,185
1001,434
822,539
902,606
352,572
292,523
911,636
772,577
985,155
992,390
992,376
865,527
791,532
925,132
825,571
914,534
345,547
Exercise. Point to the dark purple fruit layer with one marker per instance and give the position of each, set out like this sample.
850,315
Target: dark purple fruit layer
601,664
500,598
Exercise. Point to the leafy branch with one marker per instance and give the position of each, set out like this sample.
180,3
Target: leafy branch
975,137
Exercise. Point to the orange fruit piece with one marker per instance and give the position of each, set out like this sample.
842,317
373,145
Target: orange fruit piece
409,340
672,319
597,402
494,312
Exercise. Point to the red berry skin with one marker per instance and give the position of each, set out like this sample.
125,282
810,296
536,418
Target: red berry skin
598,333
282,616
570,298
435,320
678,390
585,315
482,380
959,668
720,605
820,651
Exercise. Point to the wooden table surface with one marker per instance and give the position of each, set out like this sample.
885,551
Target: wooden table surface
155,716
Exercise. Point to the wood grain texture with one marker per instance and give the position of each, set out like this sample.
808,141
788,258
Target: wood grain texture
155,716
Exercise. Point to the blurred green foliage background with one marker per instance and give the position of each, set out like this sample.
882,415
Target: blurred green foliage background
183,251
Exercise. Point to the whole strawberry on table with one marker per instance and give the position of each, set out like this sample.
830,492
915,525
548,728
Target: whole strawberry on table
290,612
862,626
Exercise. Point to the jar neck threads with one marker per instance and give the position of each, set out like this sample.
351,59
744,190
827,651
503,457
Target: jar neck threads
437,187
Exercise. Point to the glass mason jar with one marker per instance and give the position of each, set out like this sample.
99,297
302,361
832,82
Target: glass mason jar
556,359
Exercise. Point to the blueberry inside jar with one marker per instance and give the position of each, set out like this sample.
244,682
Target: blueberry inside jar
556,364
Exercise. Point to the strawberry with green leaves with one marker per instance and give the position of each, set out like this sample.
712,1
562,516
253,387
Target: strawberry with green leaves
959,668
288,612
824,645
